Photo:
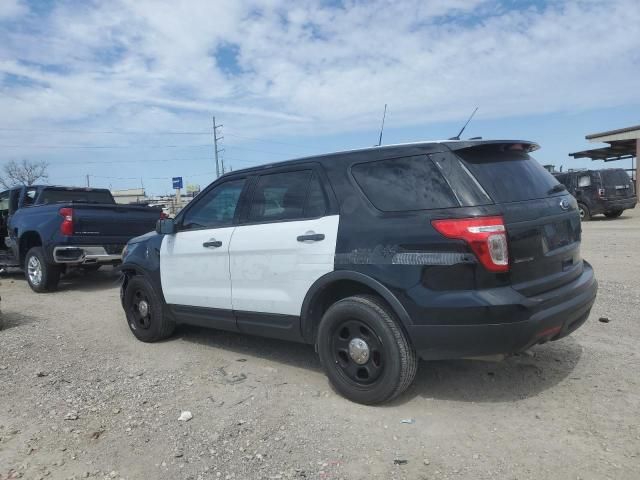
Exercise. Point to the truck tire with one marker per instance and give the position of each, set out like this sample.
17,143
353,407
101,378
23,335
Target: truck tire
585,214
146,316
41,275
364,350
613,214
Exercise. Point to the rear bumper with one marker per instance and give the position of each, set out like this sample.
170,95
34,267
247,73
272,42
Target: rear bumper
612,205
84,255
549,316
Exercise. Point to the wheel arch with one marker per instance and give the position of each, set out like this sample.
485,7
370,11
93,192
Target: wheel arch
337,285
28,240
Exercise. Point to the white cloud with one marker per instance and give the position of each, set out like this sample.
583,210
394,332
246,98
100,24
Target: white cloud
307,67
10,9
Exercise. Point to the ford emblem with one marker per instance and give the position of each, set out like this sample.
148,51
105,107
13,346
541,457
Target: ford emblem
564,204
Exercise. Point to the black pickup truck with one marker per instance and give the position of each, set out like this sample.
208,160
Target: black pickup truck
46,229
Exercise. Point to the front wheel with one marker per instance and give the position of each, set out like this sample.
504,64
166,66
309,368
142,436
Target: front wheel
145,314
41,275
613,214
364,350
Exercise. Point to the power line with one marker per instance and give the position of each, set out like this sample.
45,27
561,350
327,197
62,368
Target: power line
109,132
106,146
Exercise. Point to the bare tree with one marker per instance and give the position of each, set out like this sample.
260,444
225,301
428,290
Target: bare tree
23,173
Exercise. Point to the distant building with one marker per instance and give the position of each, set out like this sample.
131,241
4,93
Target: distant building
131,195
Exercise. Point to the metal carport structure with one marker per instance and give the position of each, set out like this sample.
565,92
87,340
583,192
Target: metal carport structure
624,143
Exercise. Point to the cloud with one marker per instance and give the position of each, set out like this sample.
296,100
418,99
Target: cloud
313,67
10,9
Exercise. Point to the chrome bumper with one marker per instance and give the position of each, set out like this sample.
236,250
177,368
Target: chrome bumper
84,255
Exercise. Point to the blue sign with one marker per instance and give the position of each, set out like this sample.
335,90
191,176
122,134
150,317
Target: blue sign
177,182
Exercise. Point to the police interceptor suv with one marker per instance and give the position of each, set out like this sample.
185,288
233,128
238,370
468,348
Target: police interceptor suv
378,257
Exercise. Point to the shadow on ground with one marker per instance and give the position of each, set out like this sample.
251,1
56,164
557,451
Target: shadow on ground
87,281
13,319
602,218
515,378
75,280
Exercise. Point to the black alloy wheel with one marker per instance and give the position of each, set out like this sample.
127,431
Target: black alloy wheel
358,351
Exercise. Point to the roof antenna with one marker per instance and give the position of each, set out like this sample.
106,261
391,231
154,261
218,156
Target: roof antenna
382,127
457,137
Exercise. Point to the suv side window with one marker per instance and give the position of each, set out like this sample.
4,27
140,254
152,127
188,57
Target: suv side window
404,184
216,208
584,181
283,196
316,205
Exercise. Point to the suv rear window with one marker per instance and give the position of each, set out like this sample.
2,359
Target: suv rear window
404,184
508,175
614,178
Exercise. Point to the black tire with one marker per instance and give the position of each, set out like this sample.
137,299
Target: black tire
150,323
614,214
585,213
41,275
391,363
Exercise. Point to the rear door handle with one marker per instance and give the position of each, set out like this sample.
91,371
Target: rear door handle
212,243
311,237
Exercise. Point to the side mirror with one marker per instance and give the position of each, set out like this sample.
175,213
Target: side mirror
166,226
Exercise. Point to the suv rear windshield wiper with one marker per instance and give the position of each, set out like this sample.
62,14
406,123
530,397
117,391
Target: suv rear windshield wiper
556,188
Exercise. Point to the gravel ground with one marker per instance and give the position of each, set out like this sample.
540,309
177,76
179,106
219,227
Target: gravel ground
80,397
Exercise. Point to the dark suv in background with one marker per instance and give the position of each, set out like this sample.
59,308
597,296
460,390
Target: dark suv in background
377,257
609,191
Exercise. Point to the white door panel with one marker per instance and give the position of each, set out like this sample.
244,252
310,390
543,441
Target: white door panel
195,275
271,271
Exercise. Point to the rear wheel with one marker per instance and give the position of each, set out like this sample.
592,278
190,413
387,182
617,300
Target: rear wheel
364,351
41,275
585,214
145,314
613,214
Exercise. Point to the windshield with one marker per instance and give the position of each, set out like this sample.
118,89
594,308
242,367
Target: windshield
509,175
86,196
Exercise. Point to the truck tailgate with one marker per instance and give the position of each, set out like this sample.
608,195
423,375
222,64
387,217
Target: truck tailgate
113,220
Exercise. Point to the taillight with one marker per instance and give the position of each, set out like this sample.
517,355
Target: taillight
66,227
163,216
485,235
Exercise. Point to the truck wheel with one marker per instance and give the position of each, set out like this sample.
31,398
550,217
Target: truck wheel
364,351
145,315
41,275
585,214
613,214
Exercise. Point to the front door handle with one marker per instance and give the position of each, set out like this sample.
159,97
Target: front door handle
312,237
212,243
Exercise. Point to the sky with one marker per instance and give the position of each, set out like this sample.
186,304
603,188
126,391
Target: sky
125,90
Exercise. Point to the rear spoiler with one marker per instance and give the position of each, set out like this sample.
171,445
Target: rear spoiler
504,145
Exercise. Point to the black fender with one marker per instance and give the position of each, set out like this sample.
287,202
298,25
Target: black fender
307,317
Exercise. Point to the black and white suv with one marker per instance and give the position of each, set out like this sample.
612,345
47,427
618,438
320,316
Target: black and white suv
378,256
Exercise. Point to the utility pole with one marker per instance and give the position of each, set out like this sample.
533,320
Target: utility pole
88,185
217,151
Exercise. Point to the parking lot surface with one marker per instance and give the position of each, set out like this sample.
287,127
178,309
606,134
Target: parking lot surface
81,397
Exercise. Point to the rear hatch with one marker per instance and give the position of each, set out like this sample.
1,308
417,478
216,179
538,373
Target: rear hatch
541,218
617,184
96,220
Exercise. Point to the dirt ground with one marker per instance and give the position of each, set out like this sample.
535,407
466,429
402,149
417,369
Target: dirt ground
80,397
